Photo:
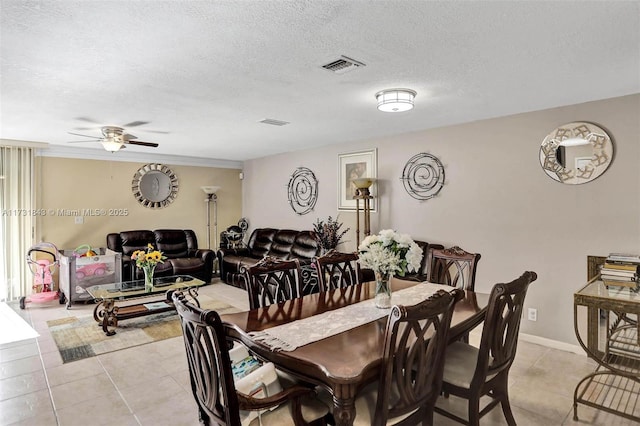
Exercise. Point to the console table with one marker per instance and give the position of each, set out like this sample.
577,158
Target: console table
613,341
107,312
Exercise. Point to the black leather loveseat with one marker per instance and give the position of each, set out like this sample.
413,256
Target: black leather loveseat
279,243
178,245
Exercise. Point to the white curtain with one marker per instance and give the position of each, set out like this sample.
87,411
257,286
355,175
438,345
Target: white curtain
17,219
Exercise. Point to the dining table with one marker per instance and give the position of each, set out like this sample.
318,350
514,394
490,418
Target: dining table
350,358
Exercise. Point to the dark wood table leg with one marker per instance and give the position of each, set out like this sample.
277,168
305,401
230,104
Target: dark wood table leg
344,407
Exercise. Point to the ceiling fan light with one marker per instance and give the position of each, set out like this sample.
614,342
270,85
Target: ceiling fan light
395,100
112,146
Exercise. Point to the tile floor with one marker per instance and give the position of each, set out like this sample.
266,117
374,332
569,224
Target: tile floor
149,384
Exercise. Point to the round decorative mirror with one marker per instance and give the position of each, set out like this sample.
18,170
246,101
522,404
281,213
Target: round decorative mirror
155,185
576,153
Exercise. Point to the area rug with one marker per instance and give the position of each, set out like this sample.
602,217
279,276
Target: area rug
81,337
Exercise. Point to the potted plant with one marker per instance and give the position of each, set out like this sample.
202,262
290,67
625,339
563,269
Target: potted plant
328,233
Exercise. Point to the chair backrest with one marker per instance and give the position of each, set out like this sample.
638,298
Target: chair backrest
272,281
416,338
453,266
337,270
501,326
209,364
422,274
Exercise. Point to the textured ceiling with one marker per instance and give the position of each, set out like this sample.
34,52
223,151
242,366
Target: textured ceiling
204,73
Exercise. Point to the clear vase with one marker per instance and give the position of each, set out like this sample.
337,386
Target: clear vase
148,276
383,290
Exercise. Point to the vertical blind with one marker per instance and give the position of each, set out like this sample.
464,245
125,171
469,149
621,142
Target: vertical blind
17,203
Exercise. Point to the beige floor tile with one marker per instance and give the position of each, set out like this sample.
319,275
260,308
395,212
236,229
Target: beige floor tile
21,351
591,416
51,359
155,392
46,418
73,371
103,410
26,408
20,367
72,393
22,385
536,400
182,411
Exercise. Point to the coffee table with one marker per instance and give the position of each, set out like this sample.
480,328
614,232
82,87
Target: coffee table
107,312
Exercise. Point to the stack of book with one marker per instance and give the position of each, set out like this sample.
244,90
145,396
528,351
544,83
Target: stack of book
621,270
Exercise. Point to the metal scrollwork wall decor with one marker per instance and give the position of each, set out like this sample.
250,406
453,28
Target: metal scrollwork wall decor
576,153
423,176
303,190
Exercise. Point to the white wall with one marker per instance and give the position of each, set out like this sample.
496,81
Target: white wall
496,200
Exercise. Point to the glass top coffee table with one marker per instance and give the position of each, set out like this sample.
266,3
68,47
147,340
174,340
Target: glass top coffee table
107,312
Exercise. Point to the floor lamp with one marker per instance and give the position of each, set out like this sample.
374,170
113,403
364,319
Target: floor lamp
362,185
211,198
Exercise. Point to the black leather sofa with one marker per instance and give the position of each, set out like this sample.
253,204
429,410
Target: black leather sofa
279,243
178,245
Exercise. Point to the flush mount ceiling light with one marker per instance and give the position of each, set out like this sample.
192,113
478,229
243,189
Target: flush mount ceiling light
395,100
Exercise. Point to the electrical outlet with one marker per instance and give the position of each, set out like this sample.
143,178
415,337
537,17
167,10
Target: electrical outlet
79,220
532,314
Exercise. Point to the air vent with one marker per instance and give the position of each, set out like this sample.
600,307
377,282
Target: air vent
274,122
343,65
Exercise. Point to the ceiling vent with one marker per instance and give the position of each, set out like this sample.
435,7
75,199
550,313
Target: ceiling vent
343,65
274,122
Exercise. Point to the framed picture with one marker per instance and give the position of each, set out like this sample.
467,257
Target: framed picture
352,166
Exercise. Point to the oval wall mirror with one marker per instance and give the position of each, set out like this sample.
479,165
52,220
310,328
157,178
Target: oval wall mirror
155,185
576,153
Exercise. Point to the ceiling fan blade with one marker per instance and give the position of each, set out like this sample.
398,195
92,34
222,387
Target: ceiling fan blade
162,132
85,136
87,119
152,144
128,137
83,141
136,123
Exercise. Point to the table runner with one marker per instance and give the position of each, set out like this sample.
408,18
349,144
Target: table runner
288,337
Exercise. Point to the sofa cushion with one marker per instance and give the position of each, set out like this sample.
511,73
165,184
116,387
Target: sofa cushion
282,243
135,240
260,242
172,242
305,245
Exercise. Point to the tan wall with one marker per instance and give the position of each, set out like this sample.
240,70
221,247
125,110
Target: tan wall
72,184
496,200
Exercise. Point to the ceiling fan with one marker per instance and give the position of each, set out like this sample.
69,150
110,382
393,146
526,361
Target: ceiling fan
114,139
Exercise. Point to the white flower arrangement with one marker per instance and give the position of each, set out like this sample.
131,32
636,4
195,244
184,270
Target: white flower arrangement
390,253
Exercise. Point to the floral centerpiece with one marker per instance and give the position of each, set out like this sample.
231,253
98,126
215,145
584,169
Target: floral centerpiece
329,233
388,253
147,260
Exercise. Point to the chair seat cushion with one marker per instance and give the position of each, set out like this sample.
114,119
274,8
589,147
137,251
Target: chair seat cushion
460,364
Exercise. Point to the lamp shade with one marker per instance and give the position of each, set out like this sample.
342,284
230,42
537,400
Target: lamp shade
210,189
395,100
362,183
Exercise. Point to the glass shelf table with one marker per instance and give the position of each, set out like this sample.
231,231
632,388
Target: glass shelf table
613,341
108,311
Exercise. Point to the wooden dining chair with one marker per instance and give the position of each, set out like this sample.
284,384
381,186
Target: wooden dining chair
413,358
337,270
422,274
453,266
272,281
212,381
471,372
